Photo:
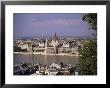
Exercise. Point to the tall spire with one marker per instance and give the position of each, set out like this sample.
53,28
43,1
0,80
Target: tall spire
46,46
55,36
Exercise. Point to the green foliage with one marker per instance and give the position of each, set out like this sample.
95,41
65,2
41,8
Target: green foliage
88,58
91,19
18,49
88,54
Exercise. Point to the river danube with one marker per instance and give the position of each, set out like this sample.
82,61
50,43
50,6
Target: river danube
44,59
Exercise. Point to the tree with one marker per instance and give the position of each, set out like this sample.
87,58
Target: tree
88,54
88,58
61,64
91,19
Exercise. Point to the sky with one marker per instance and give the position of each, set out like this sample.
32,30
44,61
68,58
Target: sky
47,24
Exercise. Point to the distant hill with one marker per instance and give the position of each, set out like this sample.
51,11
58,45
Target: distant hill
73,37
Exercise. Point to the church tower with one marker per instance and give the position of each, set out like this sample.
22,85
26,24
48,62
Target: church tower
55,36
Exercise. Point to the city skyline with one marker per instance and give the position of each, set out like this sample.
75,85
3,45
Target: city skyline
46,24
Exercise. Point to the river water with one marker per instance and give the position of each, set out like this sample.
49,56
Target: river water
44,59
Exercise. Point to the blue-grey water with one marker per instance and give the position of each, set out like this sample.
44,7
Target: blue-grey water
44,59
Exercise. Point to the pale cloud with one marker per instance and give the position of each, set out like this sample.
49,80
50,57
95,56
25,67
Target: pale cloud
56,23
